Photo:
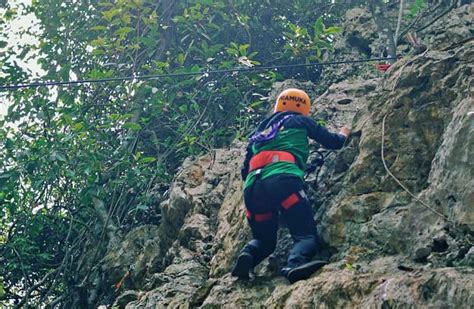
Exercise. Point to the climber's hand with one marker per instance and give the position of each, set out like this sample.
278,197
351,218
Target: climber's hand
345,131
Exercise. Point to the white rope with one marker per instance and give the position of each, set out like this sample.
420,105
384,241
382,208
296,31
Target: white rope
398,181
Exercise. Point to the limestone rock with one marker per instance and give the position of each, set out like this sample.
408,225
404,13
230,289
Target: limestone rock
469,259
384,285
125,298
129,258
454,29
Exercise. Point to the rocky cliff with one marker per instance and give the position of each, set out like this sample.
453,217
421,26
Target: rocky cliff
395,207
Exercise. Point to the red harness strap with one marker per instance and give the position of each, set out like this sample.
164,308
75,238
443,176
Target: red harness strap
290,201
287,203
259,217
270,156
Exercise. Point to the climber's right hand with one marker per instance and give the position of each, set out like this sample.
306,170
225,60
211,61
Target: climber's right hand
345,131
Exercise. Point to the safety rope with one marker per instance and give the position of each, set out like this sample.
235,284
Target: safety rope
182,74
399,182
453,224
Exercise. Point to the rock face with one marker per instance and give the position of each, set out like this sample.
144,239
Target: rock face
386,248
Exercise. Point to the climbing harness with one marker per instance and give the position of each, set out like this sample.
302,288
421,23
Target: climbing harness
317,162
286,204
258,217
315,166
266,157
270,132
263,158
293,199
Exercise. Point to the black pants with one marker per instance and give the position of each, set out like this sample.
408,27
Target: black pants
265,200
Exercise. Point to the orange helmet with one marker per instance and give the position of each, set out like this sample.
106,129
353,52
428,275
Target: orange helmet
293,100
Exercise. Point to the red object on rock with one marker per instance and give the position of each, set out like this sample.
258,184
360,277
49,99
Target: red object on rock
382,67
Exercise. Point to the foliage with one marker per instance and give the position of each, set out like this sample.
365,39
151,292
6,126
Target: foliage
311,43
83,165
415,8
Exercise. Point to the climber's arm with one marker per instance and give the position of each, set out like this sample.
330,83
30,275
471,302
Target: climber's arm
320,134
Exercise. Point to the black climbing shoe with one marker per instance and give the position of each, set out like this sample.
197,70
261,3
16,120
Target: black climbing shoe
243,266
284,271
304,271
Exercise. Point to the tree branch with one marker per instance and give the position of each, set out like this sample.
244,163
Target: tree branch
399,22
385,31
66,256
453,5
34,287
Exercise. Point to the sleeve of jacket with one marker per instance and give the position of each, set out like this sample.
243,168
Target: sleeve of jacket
244,171
320,134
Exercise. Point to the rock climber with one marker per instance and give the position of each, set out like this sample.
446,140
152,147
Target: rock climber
273,173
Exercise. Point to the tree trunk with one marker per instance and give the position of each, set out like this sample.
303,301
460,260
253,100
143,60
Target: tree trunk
377,10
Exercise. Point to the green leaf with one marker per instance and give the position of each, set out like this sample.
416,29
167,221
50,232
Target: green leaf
142,207
78,126
98,52
253,54
126,116
195,68
122,32
146,160
109,15
99,28
232,51
325,45
137,156
98,42
416,8
321,122
333,30
181,58
243,49
60,157
178,19
5,175
256,104
114,117
65,71
132,126
318,27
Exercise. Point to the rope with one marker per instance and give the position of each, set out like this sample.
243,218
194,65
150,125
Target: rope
398,181
182,74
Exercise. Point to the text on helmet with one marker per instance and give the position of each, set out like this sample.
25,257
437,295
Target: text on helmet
293,98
